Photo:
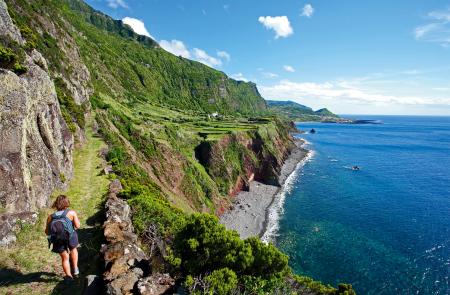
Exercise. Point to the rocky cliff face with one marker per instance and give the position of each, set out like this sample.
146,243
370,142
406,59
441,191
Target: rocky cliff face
128,267
36,145
237,159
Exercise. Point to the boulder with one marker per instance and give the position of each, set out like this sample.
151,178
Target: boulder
124,284
155,284
10,223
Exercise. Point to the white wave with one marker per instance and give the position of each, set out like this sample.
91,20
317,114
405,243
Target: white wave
305,142
277,208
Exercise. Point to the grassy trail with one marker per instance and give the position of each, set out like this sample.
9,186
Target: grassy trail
29,267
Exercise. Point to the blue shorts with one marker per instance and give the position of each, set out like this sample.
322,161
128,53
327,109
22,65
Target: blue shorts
73,243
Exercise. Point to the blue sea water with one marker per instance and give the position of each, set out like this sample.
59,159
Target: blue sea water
385,228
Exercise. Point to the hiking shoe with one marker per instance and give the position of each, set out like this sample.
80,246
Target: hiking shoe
68,280
76,271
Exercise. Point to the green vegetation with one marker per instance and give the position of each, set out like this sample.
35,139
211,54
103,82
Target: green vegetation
300,113
72,112
11,61
7,58
129,67
30,37
29,266
204,246
325,113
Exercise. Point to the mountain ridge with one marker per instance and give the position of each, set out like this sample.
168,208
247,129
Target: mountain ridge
300,113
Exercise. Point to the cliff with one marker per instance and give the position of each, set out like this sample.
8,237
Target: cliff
36,144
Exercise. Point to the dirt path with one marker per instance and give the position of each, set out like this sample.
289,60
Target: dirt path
29,267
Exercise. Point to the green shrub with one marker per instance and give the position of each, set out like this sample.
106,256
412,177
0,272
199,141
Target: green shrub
204,245
11,61
72,112
97,102
314,286
116,155
19,69
29,36
222,281
274,285
152,209
267,259
62,177
345,289
8,59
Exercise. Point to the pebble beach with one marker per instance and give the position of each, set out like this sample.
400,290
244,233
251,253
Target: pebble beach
249,214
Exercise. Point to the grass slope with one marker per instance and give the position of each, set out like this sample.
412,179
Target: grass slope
29,267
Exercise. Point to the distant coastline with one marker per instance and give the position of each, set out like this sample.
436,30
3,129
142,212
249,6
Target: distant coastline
256,212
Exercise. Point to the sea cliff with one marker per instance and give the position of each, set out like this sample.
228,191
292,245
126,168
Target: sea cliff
251,212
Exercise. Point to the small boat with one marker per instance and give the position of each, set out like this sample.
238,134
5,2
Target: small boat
312,131
355,168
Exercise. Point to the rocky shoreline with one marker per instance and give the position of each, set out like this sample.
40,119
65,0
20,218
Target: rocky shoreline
250,212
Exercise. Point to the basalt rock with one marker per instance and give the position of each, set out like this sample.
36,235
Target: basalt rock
9,223
121,253
127,266
155,284
35,143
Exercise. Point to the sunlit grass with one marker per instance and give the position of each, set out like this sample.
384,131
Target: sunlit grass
30,261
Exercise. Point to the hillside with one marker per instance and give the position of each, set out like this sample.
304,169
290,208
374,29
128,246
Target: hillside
300,113
134,68
325,113
71,75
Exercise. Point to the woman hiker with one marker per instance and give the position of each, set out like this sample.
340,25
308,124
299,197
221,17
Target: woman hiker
61,232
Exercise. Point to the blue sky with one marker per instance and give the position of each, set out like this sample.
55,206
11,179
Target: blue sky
352,56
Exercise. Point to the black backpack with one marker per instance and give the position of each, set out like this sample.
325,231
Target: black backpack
60,229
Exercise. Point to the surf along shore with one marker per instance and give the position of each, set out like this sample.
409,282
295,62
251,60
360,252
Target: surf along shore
255,212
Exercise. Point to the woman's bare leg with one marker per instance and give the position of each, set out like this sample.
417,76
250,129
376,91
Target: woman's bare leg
74,258
65,263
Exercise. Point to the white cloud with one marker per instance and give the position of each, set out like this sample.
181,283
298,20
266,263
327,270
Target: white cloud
239,77
446,89
270,75
201,56
175,47
411,72
280,24
422,31
224,55
307,10
288,68
178,48
437,30
341,92
440,15
117,3
137,25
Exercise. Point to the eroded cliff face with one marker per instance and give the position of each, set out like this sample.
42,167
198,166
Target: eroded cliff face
35,143
237,159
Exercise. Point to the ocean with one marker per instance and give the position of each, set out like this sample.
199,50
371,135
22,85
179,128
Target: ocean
385,228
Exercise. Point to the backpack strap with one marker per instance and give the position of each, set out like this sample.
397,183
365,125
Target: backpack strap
60,216
64,214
